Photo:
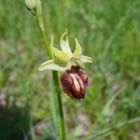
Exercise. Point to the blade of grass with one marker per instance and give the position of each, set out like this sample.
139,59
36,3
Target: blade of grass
108,130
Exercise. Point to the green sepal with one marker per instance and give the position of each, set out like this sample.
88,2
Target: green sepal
60,55
50,65
64,43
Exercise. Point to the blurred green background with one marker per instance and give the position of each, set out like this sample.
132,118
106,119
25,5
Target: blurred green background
109,32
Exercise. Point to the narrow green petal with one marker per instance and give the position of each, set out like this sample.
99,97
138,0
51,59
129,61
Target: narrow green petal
86,59
47,62
51,44
78,50
49,65
64,43
60,55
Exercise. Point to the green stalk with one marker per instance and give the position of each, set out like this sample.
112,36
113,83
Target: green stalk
58,91
57,88
55,73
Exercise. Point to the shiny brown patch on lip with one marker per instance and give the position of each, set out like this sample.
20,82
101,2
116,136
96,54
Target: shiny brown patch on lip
74,82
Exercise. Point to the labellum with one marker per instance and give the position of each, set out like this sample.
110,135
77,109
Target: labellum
74,82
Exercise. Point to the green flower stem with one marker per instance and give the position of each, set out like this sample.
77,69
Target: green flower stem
57,89
46,44
55,73
62,120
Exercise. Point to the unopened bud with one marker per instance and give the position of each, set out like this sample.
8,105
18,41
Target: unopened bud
31,4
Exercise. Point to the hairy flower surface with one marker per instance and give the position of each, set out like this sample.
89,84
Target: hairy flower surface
74,82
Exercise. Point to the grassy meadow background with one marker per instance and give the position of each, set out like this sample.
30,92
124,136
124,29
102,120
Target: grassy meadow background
109,32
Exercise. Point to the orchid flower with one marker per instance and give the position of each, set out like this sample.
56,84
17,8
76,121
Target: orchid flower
65,58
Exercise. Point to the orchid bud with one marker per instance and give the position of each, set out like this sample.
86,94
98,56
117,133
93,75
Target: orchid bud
74,82
31,4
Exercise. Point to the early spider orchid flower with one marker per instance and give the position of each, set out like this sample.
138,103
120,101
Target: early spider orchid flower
74,79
